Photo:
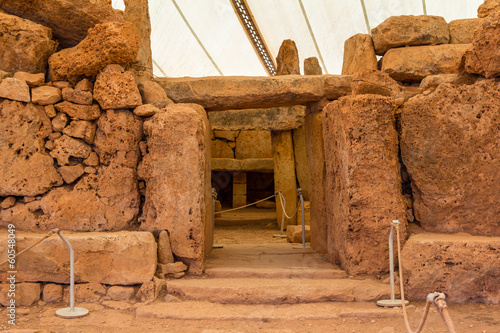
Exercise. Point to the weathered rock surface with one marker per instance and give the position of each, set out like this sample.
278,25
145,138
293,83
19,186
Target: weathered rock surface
15,89
464,267
462,31
294,233
449,144
281,118
483,58
363,184
287,61
52,293
412,64
70,173
254,144
118,258
115,90
152,93
165,255
61,14
45,95
359,55
312,67
8,202
86,292
221,149
82,97
336,86
117,138
26,169
66,147
226,135
120,293
59,122
83,112
146,110
81,129
177,174
249,164
377,83
409,30
33,80
455,79
300,155
107,43
26,46
26,293
488,7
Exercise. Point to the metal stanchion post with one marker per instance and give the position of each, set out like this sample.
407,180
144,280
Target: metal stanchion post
391,302
72,311
214,196
301,197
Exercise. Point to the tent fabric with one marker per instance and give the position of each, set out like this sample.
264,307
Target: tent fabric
205,38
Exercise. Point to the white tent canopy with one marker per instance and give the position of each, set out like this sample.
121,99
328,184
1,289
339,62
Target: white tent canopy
205,37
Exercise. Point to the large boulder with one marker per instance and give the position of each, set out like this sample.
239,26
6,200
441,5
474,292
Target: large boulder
412,64
177,174
105,44
24,45
116,258
484,57
359,55
69,20
363,182
25,168
449,144
409,30
116,90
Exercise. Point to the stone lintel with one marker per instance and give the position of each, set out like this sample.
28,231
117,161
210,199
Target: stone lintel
248,164
274,119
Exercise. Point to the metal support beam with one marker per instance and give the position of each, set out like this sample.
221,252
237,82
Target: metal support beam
366,17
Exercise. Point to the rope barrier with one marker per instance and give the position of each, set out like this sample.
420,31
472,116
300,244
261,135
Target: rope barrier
251,204
50,233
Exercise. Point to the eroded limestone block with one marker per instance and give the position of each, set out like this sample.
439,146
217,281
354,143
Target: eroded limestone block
483,58
488,8
294,233
33,80
378,83
86,292
25,168
146,110
70,173
165,255
449,144
116,90
412,64
116,258
253,144
359,55
77,96
45,95
66,147
363,183
464,267
107,43
15,89
120,293
287,61
432,81
83,112
81,129
462,31
177,174
152,93
312,67
26,45
52,293
221,149
409,30
25,295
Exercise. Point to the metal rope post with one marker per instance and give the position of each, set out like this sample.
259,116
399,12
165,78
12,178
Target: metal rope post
71,312
301,197
392,302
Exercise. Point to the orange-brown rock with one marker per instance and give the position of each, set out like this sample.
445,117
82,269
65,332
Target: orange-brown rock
84,85
409,30
83,112
412,64
116,258
116,90
52,293
287,61
25,293
165,255
488,8
449,144
462,31
377,83
363,183
68,20
59,122
483,58
117,138
336,86
15,89
81,129
108,43
153,93
221,149
177,174
70,173
462,266
25,168
77,96
67,147
45,95
145,110
359,55
312,67
120,293
33,80
432,81
25,45
253,144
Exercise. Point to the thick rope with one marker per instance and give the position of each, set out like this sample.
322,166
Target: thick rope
250,204
50,233
282,200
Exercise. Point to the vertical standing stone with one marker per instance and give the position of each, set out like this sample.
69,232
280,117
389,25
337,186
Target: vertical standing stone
363,184
300,154
137,12
284,172
312,67
359,55
316,163
239,189
287,61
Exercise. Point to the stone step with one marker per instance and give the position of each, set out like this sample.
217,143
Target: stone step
189,310
278,291
283,273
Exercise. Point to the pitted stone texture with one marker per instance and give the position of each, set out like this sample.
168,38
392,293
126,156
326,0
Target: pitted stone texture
83,112
70,173
462,31
363,183
66,147
15,89
116,258
253,144
450,146
483,58
68,20
488,8
84,85
412,64
432,81
378,83
25,168
25,295
359,55
108,43
117,139
45,95
287,61
59,122
152,93
116,90
81,129
464,267
177,174
26,46
77,96
409,30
